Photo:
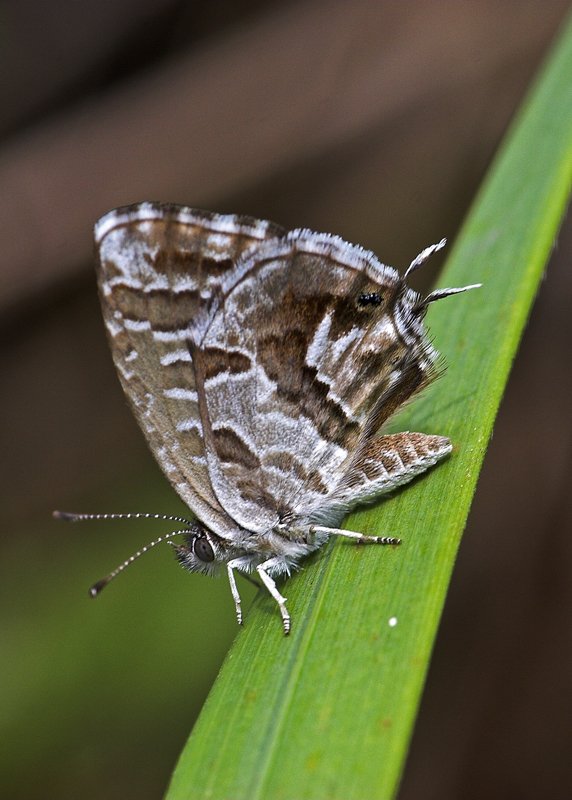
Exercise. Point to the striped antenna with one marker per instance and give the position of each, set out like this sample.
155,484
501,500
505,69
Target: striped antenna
97,587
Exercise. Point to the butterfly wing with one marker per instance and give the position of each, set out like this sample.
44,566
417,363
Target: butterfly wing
160,273
296,372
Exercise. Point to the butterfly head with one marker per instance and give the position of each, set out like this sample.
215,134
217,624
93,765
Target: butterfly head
202,551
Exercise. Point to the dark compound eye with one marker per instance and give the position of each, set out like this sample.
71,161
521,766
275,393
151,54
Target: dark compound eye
202,549
370,299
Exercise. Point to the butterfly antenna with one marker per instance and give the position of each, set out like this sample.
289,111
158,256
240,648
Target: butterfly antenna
97,587
68,516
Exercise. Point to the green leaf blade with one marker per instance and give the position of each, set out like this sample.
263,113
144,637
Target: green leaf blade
328,711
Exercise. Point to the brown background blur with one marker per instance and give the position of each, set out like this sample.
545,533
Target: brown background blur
372,120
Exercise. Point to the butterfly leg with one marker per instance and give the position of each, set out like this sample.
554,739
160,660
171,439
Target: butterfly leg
271,586
361,537
233,588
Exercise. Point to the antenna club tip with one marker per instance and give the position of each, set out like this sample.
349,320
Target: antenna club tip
66,516
96,588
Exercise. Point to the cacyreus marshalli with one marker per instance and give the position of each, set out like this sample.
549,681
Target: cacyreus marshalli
261,365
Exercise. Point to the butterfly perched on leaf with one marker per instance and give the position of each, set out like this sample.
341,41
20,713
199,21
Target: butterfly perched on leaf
261,365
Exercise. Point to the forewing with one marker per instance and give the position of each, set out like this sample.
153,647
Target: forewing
160,273
295,373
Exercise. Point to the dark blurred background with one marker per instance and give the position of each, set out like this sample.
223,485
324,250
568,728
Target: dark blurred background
372,120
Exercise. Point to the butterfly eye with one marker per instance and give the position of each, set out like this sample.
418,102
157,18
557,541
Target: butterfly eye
202,549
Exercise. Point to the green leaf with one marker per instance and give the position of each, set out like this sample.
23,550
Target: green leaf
328,712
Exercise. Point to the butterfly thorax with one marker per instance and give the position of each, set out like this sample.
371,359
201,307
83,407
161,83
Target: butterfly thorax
205,551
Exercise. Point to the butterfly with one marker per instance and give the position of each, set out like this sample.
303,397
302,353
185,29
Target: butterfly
261,365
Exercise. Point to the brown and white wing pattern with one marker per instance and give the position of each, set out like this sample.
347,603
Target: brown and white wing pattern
314,345
261,366
160,273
